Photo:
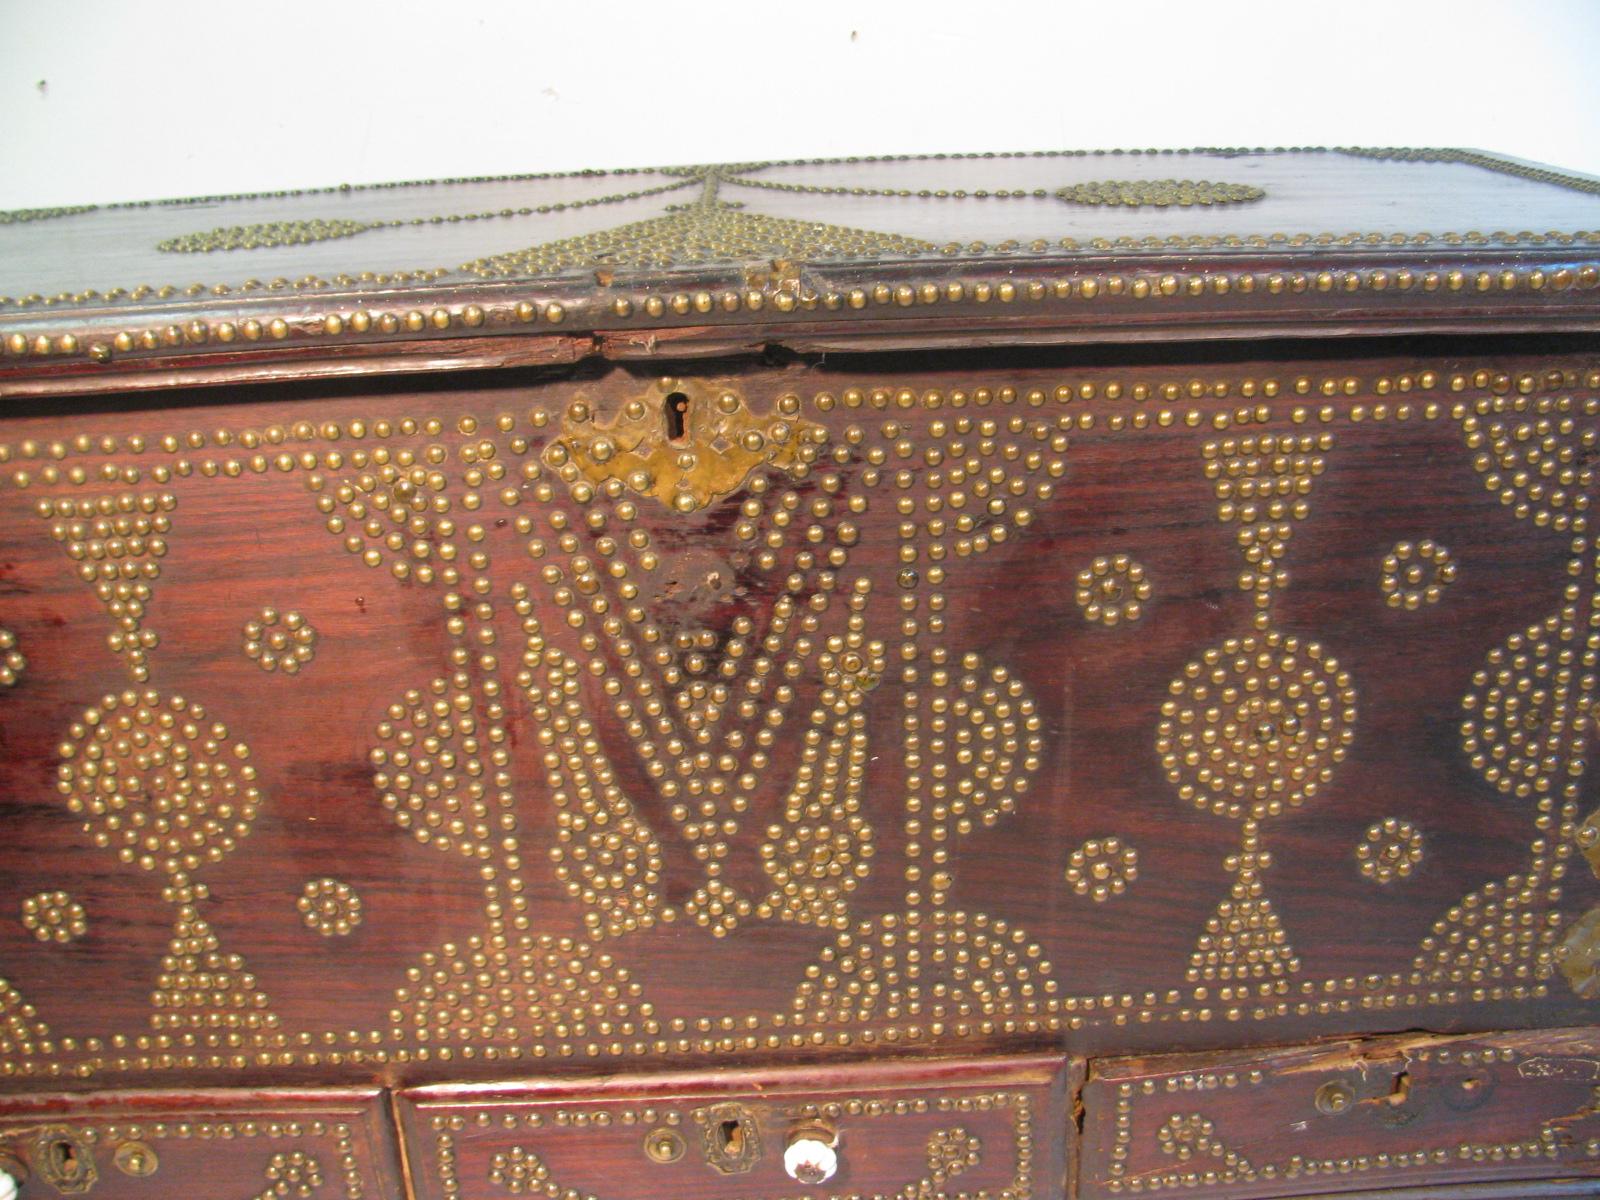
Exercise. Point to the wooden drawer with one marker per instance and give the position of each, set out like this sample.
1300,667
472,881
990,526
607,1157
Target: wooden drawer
232,1145
930,1130
1346,1116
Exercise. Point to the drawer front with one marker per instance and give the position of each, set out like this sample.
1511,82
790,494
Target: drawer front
1348,1116
317,1145
946,1131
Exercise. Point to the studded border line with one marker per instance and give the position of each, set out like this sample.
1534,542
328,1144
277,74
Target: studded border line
1080,292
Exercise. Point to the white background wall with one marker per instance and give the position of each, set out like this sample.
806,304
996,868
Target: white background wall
125,99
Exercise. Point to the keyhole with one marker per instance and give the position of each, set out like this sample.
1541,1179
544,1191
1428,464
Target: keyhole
64,1158
677,411
732,1141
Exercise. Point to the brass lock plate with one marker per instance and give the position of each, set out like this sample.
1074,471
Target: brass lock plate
732,1138
64,1160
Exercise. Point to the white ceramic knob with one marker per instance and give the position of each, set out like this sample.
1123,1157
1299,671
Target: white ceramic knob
810,1160
8,1186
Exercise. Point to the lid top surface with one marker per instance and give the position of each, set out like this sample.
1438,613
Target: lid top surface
605,227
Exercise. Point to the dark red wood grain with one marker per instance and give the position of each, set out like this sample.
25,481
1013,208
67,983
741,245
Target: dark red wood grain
446,981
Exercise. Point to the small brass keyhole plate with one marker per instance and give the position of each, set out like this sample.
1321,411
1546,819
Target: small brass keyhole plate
732,1138
64,1161
685,442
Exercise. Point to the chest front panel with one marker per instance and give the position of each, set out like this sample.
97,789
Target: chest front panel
795,712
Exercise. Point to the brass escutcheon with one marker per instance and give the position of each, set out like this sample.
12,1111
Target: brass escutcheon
685,442
733,1141
1579,954
1588,838
63,1160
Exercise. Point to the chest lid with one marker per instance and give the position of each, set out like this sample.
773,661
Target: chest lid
959,249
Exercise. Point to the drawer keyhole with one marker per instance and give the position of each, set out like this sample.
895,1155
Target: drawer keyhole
63,1161
64,1158
732,1140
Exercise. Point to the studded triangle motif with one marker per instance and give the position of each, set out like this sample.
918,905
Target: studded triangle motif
706,231
117,543
23,1036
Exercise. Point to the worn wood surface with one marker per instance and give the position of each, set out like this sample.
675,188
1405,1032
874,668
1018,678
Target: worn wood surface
1345,1116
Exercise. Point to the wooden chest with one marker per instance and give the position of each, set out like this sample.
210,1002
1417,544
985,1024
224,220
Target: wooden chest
995,677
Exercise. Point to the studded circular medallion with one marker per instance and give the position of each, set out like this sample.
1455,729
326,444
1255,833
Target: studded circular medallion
1102,868
330,907
1159,193
1390,850
156,782
1256,725
1112,590
1416,573
54,917
279,641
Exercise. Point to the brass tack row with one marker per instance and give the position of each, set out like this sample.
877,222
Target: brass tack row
588,314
